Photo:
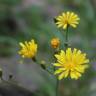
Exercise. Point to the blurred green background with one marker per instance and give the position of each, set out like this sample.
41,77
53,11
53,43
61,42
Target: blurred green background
22,20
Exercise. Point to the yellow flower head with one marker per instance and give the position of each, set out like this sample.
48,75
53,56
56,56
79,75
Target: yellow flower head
67,19
28,49
55,42
71,63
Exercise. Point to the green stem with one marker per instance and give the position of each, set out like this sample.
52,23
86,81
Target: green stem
66,46
66,39
36,61
57,87
49,72
57,81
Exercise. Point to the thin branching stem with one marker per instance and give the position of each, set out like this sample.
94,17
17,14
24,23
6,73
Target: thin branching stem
36,61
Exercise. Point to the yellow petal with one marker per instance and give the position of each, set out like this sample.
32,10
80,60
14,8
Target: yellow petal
69,54
21,44
65,26
62,53
73,25
63,75
57,64
73,75
57,72
59,25
86,61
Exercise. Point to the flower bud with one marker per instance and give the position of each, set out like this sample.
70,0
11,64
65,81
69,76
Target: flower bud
43,65
55,42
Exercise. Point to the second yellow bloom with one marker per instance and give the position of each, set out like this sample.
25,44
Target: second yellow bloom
67,19
28,49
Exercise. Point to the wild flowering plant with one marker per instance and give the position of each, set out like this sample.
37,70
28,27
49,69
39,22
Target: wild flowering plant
68,62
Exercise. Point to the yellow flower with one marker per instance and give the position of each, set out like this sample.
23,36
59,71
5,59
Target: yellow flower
55,42
67,19
28,49
71,63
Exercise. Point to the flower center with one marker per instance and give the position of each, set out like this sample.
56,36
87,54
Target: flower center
70,66
65,21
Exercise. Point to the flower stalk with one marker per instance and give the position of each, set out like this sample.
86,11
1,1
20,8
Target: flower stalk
66,46
66,38
57,81
57,87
